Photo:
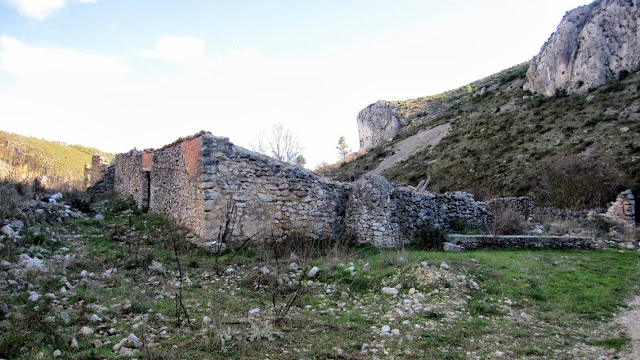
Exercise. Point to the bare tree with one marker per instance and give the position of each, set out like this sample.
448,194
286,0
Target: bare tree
281,144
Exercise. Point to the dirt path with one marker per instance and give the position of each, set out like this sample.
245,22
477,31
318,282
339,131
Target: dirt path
630,320
408,146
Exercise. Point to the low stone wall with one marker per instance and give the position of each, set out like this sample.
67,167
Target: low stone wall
525,207
472,242
382,215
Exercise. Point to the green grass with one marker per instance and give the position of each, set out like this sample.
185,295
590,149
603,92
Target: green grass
567,296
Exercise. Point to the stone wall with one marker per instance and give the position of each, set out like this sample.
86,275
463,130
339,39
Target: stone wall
203,181
623,210
95,171
471,242
165,181
382,214
269,195
527,210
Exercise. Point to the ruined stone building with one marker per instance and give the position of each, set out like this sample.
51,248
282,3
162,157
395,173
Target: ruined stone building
196,180
202,181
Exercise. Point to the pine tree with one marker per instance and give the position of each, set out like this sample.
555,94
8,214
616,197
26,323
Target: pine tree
343,148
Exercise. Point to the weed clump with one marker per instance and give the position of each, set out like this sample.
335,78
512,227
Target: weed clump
429,238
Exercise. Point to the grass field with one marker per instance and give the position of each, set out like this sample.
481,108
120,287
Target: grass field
513,304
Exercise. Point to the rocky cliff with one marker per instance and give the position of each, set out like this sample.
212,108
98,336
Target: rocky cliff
379,123
592,45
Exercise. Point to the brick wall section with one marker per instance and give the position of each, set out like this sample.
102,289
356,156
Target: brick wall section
191,154
147,159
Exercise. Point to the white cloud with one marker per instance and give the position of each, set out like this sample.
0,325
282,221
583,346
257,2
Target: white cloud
40,9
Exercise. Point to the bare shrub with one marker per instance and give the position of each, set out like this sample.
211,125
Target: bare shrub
9,201
578,181
507,222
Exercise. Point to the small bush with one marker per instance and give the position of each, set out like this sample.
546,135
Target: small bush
429,238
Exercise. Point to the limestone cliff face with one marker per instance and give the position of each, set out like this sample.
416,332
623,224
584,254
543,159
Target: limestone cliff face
592,44
378,123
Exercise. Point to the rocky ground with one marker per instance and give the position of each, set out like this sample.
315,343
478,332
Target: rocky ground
116,284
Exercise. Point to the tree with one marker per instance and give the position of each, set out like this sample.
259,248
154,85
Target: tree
280,144
343,148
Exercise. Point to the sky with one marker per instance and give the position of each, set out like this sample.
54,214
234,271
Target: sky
119,74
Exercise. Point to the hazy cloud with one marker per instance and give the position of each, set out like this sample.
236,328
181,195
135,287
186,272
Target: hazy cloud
41,9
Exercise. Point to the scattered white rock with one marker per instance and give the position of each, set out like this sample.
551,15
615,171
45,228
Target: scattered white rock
133,340
255,311
124,351
99,217
34,296
95,318
312,273
97,344
7,231
86,331
390,291
74,343
65,317
32,263
452,247
206,320
229,271
110,272
444,266
57,353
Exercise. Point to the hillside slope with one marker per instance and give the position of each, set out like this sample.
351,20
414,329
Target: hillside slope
506,141
23,158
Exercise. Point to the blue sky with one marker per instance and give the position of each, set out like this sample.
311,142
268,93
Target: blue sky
118,74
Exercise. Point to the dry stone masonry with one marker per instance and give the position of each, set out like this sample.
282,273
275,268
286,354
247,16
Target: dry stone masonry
592,45
203,181
95,171
623,210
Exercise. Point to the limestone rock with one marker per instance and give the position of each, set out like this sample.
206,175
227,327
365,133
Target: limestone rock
591,46
379,123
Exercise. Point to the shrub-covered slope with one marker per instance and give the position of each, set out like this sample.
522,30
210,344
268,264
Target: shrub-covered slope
505,141
23,158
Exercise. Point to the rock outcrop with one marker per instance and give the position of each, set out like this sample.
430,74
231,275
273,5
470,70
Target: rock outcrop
592,45
379,123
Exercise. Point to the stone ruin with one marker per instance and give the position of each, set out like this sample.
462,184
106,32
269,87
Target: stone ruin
95,171
203,181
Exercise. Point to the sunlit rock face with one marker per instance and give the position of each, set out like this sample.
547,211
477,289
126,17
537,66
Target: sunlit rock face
592,45
378,123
